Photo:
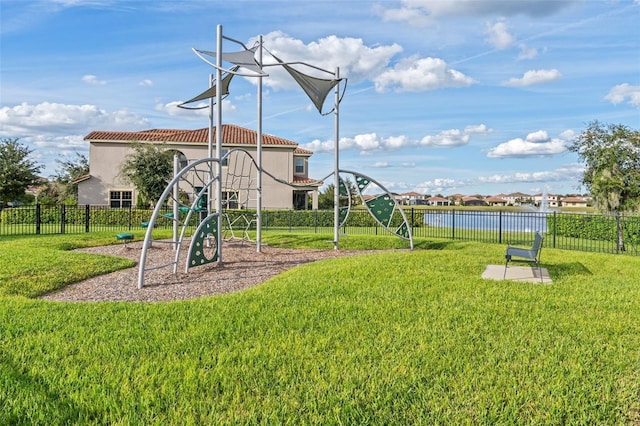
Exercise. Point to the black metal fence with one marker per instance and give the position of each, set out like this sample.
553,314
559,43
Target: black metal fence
585,232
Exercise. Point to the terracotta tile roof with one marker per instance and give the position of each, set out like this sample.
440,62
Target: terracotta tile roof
300,180
302,151
231,135
495,199
574,200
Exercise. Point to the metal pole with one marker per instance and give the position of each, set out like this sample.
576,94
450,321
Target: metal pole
176,195
336,168
219,140
209,192
259,154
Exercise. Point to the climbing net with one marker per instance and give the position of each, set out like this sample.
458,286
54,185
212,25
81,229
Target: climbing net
239,192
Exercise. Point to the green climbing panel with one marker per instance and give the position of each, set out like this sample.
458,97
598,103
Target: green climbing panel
344,192
362,182
343,210
403,231
204,246
382,208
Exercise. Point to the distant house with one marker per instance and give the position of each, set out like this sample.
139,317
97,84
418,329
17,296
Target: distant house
574,202
281,157
438,201
473,201
411,199
456,199
516,198
552,200
496,201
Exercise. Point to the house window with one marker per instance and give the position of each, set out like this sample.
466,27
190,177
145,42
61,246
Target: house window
225,161
120,199
299,165
229,200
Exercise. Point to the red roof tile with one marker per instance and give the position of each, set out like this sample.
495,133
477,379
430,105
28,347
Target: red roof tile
302,151
231,135
300,180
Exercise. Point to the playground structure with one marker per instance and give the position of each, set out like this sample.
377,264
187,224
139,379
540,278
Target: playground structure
188,191
194,189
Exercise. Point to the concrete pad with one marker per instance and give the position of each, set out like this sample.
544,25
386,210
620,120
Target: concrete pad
517,273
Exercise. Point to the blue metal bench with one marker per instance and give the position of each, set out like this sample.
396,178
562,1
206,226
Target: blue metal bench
525,255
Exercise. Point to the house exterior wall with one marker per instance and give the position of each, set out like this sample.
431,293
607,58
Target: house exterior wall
104,173
106,159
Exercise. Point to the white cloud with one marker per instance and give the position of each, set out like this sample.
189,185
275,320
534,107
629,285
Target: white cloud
146,83
498,35
568,135
413,16
55,130
480,129
357,61
380,164
562,173
415,74
526,52
423,12
534,77
51,118
622,92
68,143
386,164
447,138
371,142
439,185
535,144
454,137
93,80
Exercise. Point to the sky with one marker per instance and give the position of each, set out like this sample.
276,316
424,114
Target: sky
441,97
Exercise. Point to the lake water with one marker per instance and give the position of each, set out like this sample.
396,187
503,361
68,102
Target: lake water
487,220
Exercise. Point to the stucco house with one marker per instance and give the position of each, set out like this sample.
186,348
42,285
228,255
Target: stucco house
438,201
552,200
473,201
496,201
574,202
411,198
516,198
281,157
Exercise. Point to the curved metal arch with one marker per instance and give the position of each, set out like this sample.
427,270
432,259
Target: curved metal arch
404,230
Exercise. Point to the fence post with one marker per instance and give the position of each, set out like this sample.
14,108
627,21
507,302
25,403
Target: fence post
63,217
130,217
555,227
87,218
453,224
617,233
500,228
38,219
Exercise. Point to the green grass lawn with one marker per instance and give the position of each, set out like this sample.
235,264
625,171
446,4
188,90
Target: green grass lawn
384,338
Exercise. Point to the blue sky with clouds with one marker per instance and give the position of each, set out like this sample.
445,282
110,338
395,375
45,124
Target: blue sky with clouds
455,96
